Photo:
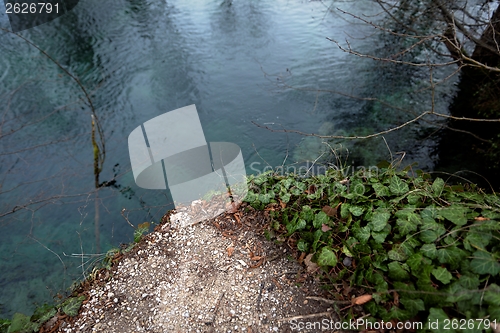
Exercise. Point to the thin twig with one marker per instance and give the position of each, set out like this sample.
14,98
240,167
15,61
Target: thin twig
313,315
102,150
126,219
347,137
328,301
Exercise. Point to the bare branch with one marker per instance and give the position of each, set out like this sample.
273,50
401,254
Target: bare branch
41,201
101,149
361,55
450,19
347,137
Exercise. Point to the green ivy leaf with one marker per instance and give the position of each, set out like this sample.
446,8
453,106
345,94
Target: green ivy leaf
139,232
415,261
397,272
356,210
494,312
475,240
307,213
442,275
430,231
484,263
492,295
397,186
362,234
317,236
380,237
413,305
22,324
405,212
397,253
457,293
287,182
429,250
320,219
285,197
327,257
489,225
429,214
72,305
413,198
301,224
359,189
411,243
436,321
399,314
43,313
401,287
344,210
455,214
437,187
265,198
260,179
428,236
302,245
469,281
405,226
451,255
379,220
381,190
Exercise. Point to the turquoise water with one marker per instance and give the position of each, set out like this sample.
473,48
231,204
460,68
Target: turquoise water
239,62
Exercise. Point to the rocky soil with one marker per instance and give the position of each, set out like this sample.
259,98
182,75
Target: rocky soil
220,275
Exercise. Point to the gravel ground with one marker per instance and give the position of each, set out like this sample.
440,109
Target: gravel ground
215,276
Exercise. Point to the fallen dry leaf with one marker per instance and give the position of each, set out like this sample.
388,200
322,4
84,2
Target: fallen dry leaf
230,251
311,266
361,299
276,283
255,258
325,228
346,288
332,212
231,207
395,295
301,258
258,263
143,225
311,189
282,204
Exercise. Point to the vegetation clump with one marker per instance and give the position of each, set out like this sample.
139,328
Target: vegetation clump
425,250
22,323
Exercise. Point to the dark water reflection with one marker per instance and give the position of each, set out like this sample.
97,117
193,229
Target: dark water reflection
235,60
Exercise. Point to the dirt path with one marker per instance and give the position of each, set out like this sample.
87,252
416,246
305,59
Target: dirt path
216,276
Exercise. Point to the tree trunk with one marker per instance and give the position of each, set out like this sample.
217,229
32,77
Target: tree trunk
478,96
490,37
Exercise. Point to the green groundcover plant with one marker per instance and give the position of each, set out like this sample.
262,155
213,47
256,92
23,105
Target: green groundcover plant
22,323
425,250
